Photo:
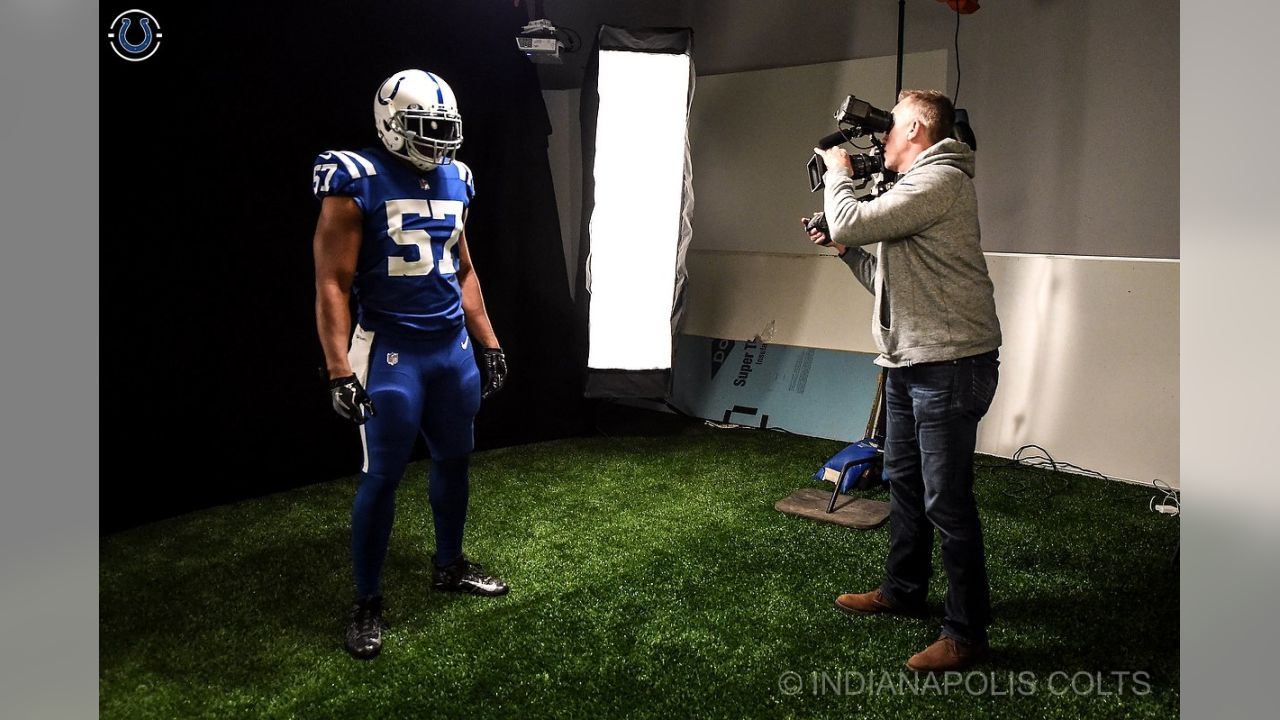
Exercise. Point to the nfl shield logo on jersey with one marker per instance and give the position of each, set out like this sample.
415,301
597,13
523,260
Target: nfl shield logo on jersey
424,184
393,358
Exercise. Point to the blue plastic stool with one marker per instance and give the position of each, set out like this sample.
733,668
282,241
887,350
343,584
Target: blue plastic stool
846,466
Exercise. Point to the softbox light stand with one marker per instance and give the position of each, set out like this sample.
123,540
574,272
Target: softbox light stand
637,208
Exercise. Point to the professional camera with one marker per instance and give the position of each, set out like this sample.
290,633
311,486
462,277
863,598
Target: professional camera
858,118
855,118
864,116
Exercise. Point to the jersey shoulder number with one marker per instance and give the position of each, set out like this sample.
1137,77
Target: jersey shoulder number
339,172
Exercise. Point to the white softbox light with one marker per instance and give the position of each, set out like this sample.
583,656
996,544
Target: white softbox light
638,200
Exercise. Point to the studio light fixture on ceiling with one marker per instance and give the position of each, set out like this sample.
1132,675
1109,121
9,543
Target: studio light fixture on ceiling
637,207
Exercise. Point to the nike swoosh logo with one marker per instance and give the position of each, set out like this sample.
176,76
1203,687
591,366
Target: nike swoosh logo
464,342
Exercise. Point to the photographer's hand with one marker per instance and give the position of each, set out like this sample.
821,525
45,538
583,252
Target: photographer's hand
820,238
836,158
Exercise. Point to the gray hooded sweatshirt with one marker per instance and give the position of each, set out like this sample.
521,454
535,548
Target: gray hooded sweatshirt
934,298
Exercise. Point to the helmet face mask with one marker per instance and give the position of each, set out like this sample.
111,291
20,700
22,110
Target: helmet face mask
416,116
429,137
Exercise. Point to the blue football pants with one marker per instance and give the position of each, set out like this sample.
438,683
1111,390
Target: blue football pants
419,385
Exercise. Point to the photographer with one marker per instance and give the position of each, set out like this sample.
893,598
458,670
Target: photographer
936,329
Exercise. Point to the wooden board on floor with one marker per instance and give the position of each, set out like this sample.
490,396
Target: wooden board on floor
854,512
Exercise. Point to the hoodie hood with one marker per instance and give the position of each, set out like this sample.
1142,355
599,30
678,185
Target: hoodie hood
947,152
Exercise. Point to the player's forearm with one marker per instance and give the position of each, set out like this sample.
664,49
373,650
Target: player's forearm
477,317
333,323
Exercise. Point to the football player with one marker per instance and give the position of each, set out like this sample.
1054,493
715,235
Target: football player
391,232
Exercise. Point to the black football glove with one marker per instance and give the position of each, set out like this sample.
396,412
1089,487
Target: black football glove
350,400
495,371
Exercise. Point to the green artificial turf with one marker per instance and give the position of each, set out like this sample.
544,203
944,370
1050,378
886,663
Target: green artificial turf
651,577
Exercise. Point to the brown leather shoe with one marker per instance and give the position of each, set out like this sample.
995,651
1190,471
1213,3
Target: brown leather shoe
947,654
871,603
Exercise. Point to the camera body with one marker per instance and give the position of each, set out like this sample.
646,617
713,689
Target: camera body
855,118
864,166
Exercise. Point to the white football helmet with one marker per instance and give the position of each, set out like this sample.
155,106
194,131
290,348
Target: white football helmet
417,118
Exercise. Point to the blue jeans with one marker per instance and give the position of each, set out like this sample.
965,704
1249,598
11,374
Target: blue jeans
933,411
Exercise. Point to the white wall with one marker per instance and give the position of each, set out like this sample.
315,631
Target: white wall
1089,364
753,132
1074,102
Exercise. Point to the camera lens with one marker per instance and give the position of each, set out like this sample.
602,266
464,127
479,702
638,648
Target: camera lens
866,165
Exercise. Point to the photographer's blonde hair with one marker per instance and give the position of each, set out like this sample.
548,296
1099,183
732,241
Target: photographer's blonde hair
934,110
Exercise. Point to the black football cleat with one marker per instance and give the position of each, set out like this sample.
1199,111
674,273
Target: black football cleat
364,634
464,576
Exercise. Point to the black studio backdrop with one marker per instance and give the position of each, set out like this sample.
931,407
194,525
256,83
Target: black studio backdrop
211,386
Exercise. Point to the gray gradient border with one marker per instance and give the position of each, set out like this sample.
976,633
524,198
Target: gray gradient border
49,316
1230,342
49,271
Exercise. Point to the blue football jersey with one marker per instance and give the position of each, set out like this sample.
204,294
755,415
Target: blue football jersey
406,271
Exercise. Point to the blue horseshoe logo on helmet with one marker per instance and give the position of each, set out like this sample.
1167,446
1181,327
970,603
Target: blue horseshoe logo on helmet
146,36
392,96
